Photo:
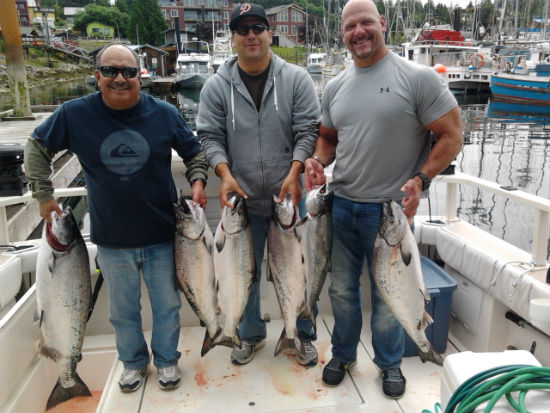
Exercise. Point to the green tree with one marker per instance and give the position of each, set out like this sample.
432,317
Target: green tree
146,21
93,13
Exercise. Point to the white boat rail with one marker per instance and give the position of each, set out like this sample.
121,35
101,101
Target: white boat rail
540,205
26,197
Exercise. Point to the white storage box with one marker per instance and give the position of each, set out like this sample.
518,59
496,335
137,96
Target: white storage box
459,367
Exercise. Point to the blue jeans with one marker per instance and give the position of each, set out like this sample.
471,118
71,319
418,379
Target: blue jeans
122,270
354,230
252,326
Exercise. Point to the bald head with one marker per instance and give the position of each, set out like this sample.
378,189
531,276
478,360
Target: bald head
363,32
352,5
115,48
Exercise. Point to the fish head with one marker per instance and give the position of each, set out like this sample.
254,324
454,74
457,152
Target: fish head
319,200
393,222
284,213
62,230
235,219
190,219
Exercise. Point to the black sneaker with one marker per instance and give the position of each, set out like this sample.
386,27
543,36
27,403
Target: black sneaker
393,383
335,371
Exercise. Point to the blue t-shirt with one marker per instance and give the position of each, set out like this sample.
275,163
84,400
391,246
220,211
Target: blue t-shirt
126,160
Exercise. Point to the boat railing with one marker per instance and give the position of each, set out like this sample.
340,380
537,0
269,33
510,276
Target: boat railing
540,205
26,197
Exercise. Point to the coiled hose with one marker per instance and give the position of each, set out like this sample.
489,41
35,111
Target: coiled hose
490,385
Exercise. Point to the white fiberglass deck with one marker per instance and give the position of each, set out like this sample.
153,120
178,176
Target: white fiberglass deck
268,384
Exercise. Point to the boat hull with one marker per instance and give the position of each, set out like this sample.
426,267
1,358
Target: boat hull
191,82
519,89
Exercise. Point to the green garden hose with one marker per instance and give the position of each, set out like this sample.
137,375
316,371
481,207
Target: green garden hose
490,385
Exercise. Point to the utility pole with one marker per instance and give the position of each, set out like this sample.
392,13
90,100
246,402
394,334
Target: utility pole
17,74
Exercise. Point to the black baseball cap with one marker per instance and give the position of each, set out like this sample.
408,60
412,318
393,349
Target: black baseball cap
246,9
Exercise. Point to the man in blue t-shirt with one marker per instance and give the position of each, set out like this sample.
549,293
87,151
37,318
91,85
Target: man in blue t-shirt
124,140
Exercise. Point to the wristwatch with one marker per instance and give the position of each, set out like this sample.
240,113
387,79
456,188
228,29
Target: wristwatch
425,180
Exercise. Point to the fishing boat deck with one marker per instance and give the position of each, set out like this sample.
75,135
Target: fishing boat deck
267,384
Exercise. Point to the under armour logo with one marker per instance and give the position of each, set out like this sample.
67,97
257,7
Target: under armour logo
245,7
386,89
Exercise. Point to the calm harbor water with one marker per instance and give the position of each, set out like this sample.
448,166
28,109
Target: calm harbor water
501,145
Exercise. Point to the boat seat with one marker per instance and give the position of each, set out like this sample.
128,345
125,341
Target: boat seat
502,270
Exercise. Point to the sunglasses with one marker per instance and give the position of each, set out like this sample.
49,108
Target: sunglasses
111,71
256,28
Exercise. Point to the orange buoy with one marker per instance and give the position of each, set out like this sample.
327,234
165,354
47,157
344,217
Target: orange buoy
439,68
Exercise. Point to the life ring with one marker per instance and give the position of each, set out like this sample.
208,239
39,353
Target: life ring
477,60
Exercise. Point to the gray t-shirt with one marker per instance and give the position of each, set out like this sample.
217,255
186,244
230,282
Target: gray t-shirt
380,113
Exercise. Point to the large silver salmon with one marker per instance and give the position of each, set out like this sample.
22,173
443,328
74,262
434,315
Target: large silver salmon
316,245
63,295
286,270
398,276
194,265
234,268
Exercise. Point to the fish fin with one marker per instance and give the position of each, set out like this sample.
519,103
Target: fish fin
406,254
60,394
51,263
268,273
206,344
427,318
219,238
431,355
48,352
285,343
38,317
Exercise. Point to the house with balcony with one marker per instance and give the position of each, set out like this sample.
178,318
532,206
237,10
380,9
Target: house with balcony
192,13
285,22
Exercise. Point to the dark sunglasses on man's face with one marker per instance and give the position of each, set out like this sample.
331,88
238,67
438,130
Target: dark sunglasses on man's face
111,71
256,28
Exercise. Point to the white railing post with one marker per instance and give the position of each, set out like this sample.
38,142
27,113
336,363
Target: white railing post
4,233
540,241
450,202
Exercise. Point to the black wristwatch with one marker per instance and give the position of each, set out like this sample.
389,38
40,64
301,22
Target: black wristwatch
425,180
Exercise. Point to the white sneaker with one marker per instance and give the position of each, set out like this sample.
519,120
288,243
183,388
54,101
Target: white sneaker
169,377
131,379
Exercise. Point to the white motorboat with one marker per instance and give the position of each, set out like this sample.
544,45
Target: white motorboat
463,66
221,49
315,62
502,301
193,65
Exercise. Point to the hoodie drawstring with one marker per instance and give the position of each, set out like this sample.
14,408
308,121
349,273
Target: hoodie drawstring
275,95
232,106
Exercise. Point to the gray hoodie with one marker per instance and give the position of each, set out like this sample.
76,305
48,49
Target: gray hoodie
259,146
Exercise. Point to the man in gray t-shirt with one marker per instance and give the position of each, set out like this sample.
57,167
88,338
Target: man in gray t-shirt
377,118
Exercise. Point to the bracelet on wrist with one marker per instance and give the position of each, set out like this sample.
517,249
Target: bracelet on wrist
318,159
199,179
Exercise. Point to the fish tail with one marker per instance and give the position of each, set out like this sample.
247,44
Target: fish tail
209,342
432,356
285,343
60,394
228,341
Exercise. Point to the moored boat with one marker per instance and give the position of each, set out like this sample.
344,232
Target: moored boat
315,62
193,65
523,89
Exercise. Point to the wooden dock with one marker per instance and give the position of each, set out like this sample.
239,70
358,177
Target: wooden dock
162,84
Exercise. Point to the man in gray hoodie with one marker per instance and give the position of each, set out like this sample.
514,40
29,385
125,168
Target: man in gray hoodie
258,121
